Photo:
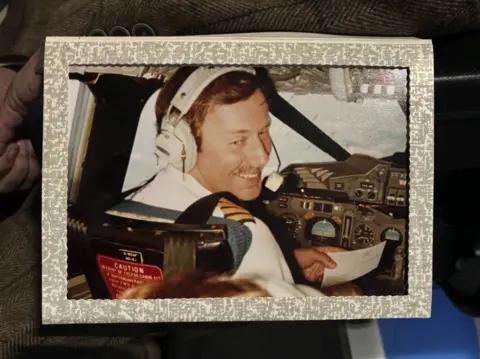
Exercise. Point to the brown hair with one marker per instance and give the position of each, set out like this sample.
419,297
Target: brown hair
230,88
195,285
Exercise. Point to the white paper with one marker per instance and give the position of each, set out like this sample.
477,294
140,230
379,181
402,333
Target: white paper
352,264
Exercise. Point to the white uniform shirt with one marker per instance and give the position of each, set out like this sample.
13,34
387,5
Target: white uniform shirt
264,261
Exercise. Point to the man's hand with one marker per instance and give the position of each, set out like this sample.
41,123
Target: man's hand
19,167
313,261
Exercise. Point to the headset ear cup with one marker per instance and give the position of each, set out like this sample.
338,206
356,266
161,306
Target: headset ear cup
170,143
184,133
167,145
162,151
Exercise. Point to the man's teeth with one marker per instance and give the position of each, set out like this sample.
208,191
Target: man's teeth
249,176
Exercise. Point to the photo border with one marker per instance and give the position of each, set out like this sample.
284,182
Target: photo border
62,52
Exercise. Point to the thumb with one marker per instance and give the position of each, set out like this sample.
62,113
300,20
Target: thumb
23,89
6,77
7,160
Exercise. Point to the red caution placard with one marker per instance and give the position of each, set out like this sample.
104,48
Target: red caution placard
120,275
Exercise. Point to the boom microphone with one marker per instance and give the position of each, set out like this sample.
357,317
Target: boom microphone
274,180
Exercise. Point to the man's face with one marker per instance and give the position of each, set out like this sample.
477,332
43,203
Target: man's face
236,146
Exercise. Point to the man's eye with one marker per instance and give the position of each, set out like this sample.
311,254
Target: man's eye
238,142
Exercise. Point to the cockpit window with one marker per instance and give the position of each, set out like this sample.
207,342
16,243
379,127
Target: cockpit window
376,127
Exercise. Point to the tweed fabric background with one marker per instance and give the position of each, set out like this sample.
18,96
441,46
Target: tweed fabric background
20,273
29,21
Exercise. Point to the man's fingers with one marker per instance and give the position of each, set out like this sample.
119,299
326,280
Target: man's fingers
23,89
6,77
6,135
7,160
15,177
308,273
314,273
33,167
319,271
323,258
329,249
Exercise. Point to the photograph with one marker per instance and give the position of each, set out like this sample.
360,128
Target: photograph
237,181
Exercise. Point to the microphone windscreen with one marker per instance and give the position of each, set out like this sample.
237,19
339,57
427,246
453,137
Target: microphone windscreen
274,181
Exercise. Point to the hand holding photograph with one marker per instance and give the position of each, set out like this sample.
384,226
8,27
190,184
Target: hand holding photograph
237,179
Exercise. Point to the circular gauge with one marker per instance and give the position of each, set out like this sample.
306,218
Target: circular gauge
391,234
323,228
293,222
323,231
364,235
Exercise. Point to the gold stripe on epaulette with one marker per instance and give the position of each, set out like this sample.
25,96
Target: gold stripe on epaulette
225,202
235,212
242,218
227,211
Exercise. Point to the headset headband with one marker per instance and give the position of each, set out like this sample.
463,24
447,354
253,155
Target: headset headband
193,86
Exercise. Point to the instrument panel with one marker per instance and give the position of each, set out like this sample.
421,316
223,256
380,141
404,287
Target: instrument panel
353,204
362,178
316,221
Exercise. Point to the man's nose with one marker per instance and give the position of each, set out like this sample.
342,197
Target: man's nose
259,154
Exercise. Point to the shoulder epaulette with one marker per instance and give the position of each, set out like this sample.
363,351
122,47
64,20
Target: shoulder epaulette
235,212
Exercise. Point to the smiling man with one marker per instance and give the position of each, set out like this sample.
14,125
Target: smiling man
213,131
235,146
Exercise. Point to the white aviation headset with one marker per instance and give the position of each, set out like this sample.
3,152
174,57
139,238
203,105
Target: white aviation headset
175,143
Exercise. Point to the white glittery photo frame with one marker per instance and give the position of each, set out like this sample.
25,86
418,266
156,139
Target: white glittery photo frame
293,49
